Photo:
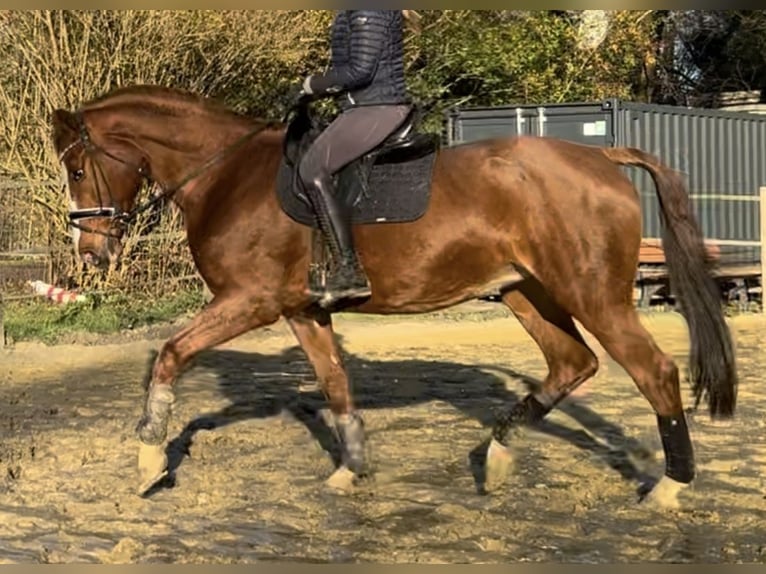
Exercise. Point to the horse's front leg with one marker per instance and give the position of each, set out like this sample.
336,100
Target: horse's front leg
317,339
223,319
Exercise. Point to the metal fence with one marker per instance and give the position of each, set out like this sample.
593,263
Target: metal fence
25,237
722,154
23,228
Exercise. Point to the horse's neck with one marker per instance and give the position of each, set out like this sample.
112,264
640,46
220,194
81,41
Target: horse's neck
179,147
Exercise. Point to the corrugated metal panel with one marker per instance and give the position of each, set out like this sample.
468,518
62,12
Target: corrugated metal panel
483,123
722,154
723,157
581,122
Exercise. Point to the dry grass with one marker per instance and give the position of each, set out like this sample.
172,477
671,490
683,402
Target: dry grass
61,58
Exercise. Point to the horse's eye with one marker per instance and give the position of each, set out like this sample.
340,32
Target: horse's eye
78,175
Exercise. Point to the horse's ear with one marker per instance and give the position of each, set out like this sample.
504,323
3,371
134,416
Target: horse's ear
63,120
64,128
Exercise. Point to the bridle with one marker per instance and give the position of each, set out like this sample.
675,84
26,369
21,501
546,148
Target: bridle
116,215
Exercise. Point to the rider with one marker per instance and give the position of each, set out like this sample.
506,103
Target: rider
366,77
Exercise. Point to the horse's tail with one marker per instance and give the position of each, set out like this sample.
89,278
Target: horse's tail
712,360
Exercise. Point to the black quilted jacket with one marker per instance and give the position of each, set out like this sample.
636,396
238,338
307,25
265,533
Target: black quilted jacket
367,65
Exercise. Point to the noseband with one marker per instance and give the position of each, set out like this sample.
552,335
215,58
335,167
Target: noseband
117,216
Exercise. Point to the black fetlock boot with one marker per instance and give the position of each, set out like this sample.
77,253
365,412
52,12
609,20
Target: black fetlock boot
347,283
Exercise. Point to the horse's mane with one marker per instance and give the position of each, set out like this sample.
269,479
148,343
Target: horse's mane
172,101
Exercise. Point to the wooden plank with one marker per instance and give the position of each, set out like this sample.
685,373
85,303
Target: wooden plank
33,253
744,270
652,253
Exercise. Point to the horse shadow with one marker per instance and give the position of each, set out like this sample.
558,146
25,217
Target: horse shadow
260,386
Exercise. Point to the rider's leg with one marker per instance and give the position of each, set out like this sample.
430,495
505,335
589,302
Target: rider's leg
352,134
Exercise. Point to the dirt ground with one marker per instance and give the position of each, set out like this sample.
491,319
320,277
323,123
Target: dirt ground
250,454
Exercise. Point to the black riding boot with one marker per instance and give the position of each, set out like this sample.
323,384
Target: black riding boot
347,282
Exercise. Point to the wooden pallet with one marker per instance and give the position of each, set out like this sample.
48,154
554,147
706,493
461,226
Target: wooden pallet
652,253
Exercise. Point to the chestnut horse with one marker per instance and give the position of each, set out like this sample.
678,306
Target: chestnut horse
554,227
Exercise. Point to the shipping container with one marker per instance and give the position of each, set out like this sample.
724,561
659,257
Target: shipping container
722,154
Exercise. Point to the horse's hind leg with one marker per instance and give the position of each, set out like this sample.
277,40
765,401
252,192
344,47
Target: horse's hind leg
570,363
223,319
622,335
316,337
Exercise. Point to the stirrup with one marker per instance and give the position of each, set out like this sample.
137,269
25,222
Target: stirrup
341,298
347,285
334,300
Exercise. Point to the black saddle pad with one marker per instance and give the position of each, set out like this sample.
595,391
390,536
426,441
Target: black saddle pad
389,185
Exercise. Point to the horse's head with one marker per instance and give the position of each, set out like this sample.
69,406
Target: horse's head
101,180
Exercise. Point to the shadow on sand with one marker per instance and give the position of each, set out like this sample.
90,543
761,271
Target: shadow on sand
475,391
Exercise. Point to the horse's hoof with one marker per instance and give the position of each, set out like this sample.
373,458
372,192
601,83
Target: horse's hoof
342,479
497,466
664,495
152,466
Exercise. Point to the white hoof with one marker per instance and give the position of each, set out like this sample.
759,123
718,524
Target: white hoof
497,466
152,466
342,479
665,493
